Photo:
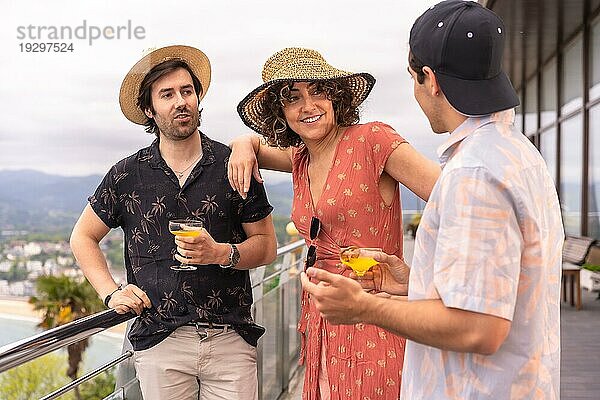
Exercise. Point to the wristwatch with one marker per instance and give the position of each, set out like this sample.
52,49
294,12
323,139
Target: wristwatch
234,257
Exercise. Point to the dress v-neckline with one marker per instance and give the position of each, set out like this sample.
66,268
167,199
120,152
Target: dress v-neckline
314,204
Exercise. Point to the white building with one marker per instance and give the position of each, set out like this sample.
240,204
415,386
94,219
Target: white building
32,249
4,288
5,265
34,265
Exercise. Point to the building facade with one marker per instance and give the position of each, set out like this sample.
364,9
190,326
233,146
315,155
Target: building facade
552,56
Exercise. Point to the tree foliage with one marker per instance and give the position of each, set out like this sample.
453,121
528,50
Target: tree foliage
44,375
99,387
34,379
114,255
63,299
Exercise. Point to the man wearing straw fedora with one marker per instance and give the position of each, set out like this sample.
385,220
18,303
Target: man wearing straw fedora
482,316
194,336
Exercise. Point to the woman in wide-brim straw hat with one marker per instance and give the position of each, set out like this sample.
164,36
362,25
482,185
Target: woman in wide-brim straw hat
346,192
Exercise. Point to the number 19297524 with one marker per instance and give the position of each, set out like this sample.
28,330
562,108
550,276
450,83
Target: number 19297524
46,47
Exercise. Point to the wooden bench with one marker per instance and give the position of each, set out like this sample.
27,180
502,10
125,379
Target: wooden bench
575,251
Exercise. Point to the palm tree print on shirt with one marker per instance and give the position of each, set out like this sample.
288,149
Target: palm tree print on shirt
140,196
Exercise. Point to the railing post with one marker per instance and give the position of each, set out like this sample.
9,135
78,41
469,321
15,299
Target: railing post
258,318
284,280
256,277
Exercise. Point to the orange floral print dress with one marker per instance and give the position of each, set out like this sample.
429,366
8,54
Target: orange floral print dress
362,361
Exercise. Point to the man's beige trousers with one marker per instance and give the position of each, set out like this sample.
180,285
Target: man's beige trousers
189,365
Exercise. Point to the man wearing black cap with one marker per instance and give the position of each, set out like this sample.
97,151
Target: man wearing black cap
483,312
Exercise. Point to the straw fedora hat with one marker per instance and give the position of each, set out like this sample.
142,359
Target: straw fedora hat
298,65
130,88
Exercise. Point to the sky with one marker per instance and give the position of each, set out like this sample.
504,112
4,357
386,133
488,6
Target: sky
60,111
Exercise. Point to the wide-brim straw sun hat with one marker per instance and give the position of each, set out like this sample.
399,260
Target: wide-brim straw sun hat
130,88
298,65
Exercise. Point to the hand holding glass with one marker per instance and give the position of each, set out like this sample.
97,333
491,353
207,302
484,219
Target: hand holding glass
351,257
186,228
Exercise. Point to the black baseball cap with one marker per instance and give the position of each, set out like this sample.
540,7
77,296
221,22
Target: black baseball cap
463,43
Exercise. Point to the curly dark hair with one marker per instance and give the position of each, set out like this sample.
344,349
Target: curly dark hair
276,130
144,100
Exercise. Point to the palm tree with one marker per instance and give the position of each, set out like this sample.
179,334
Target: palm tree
64,299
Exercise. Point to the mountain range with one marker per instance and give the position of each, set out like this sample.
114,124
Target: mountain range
36,201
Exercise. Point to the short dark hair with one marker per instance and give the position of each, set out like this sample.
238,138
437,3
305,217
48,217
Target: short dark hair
144,100
276,130
417,66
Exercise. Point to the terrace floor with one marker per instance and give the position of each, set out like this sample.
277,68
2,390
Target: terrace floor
580,344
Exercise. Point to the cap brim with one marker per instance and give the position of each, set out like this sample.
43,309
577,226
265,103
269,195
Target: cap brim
478,97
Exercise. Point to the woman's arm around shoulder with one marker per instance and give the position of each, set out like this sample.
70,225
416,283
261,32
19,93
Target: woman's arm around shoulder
248,154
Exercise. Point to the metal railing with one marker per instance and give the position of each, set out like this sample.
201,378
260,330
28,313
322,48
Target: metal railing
22,351
277,307
276,289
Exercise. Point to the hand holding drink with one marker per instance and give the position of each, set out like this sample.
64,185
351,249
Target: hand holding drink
185,228
351,256
389,275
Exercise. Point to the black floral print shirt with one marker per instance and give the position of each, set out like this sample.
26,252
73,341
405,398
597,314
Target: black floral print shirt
141,194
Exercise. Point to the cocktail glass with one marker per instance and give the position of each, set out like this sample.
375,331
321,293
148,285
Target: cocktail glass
351,256
185,228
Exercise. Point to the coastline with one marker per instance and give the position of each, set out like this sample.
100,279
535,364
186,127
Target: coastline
19,308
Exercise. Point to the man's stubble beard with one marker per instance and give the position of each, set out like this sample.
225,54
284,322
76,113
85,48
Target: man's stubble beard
172,132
